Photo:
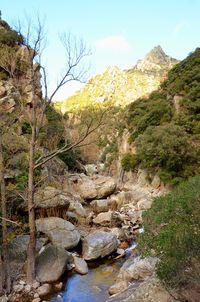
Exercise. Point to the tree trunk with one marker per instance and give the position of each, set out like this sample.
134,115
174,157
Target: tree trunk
5,257
31,213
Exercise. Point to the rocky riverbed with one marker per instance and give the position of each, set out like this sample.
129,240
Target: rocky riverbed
84,219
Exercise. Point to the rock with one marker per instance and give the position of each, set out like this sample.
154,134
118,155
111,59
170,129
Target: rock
97,187
143,178
105,186
108,219
77,207
144,204
100,205
119,233
129,197
51,197
51,264
36,300
118,287
17,248
2,91
27,288
99,244
44,290
62,233
35,284
80,266
86,187
137,269
148,291
58,286
3,299
156,182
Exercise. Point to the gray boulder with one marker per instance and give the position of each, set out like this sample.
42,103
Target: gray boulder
148,291
98,245
137,268
61,233
51,264
51,197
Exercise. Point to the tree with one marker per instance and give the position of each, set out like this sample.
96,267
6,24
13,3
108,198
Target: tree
76,51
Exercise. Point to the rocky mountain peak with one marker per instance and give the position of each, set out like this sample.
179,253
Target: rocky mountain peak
155,62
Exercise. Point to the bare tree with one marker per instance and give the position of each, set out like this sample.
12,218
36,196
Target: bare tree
76,51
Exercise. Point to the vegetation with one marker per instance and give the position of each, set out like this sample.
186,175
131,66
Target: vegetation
172,232
129,162
165,127
8,36
168,149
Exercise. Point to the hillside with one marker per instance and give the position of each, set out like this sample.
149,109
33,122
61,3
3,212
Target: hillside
120,87
165,127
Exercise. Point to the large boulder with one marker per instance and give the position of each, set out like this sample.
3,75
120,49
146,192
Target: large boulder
93,188
137,268
51,264
129,197
17,247
105,186
109,218
98,245
51,197
148,291
61,233
133,269
100,205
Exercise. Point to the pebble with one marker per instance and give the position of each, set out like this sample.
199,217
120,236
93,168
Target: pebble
36,300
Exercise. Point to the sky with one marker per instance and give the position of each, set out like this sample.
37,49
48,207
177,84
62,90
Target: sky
118,32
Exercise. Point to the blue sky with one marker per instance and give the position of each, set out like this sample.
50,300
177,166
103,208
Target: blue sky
119,32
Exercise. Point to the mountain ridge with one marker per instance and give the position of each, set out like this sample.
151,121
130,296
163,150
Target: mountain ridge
121,87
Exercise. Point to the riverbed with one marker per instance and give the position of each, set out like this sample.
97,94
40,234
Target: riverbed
92,287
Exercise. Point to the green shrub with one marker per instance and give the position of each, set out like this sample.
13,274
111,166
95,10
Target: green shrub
9,36
172,231
129,161
143,113
167,148
70,157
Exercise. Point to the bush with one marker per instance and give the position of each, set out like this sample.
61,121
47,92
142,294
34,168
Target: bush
129,161
167,148
148,112
172,231
9,36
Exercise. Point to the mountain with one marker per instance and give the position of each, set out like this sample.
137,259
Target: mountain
121,87
156,62
165,127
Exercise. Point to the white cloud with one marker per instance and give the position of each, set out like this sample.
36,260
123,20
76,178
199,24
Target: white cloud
180,27
118,43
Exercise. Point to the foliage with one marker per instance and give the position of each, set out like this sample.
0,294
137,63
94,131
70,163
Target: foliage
70,157
9,36
129,162
166,126
172,231
168,148
143,113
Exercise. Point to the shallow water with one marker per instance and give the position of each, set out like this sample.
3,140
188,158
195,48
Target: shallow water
92,287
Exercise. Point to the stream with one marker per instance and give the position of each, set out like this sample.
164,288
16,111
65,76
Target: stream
92,287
